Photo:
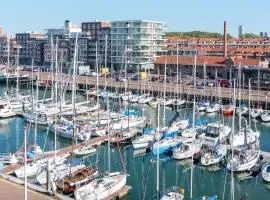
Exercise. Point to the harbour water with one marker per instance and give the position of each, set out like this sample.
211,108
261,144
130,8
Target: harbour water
141,167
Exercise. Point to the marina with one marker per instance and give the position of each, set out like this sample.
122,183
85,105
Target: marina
124,109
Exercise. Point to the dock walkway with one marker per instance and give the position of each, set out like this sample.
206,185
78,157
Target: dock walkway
155,86
95,141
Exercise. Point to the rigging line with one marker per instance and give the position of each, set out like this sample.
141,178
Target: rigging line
147,177
225,181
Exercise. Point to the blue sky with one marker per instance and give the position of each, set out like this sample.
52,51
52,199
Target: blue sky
179,15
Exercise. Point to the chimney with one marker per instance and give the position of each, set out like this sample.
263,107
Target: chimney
225,40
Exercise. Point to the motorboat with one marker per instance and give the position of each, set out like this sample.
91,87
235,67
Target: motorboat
266,172
216,130
244,161
101,188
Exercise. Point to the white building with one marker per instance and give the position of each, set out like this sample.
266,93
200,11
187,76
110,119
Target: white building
136,41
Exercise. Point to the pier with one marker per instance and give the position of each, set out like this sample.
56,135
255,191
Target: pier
84,82
92,142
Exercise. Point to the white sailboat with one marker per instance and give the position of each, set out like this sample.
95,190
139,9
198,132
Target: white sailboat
266,172
101,188
187,150
244,161
86,150
214,156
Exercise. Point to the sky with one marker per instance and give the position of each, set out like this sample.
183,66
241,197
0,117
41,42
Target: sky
178,15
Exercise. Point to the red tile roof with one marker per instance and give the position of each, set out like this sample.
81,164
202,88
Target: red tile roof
209,60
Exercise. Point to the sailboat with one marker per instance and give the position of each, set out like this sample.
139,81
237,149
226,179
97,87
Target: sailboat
214,106
244,160
86,150
146,140
101,188
81,177
266,172
214,156
187,149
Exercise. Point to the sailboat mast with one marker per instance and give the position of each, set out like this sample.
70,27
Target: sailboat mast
105,64
17,71
232,135
74,83
35,136
97,73
239,90
56,71
52,51
158,122
249,105
25,164
164,94
177,73
193,123
8,53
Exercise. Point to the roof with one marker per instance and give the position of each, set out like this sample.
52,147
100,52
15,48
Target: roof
189,60
208,60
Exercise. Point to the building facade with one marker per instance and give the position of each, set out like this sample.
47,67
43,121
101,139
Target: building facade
97,36
136,42
31,47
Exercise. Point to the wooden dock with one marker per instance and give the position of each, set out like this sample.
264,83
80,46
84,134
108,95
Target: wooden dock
95,141
155,86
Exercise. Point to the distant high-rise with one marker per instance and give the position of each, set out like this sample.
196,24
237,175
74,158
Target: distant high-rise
265,34
261,34
240,31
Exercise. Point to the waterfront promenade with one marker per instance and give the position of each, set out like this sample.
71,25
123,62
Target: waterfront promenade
10,191
154,86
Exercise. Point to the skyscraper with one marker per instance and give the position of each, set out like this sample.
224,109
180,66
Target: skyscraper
240,31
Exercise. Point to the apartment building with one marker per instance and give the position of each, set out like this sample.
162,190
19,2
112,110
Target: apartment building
136,42
31,47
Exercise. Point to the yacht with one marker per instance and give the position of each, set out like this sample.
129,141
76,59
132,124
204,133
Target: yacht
265,116
214,156
187,149
266,172
216,131
101,188
244,161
